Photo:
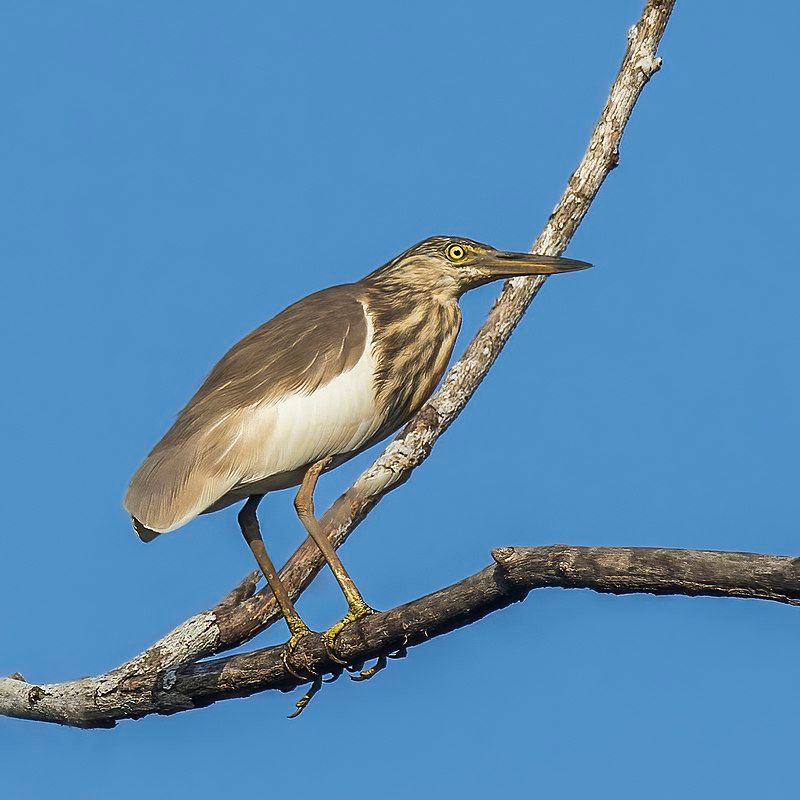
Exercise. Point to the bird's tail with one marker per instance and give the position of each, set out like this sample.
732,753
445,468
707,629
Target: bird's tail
144,533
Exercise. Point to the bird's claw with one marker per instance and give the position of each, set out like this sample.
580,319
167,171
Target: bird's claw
316,685
355,612
332,655
381,663
316,680
329,642
370,672
289,648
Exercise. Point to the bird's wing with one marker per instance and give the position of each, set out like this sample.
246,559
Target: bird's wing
219,438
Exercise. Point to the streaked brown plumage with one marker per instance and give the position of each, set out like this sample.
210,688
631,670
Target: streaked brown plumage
328,377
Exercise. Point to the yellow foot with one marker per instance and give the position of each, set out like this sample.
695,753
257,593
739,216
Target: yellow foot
356,611
381,663
371,672
316,685
298,633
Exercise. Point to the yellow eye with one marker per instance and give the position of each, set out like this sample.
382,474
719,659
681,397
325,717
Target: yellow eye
455,252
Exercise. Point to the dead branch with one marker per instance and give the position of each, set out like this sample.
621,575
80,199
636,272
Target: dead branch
102,701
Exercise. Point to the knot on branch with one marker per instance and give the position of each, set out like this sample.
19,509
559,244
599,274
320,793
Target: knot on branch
509,560
503,556
564,565
649,65
35,694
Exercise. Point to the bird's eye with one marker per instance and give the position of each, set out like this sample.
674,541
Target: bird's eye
455,252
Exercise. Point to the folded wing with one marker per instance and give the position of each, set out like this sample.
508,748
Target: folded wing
296,389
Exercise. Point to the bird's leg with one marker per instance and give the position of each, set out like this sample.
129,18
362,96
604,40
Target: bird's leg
304,503
248,522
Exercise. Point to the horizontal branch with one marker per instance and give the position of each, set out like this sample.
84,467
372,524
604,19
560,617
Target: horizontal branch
102,701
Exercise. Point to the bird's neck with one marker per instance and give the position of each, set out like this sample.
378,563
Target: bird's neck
413,337
412,278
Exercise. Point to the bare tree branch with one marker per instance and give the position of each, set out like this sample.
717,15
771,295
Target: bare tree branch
246,612
101,701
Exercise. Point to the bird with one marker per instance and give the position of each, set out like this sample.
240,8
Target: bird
327,378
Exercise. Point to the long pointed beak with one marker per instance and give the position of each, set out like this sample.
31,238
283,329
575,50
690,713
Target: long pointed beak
500,264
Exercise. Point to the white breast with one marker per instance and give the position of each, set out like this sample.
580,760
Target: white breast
300,429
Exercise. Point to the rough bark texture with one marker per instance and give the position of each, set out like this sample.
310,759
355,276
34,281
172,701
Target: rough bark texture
245,612
101,701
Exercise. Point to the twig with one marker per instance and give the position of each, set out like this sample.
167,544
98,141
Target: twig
101,701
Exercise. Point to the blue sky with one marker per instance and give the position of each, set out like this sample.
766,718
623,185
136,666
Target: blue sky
175,173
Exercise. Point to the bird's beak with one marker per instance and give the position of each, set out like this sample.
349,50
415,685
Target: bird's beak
500,264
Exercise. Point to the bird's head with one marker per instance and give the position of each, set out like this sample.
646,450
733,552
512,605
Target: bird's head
452,265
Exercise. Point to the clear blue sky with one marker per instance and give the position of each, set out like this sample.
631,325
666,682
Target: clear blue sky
175,173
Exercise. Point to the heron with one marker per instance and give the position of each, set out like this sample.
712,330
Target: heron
325,379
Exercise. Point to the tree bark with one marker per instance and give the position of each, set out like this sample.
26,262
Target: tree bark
102,701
